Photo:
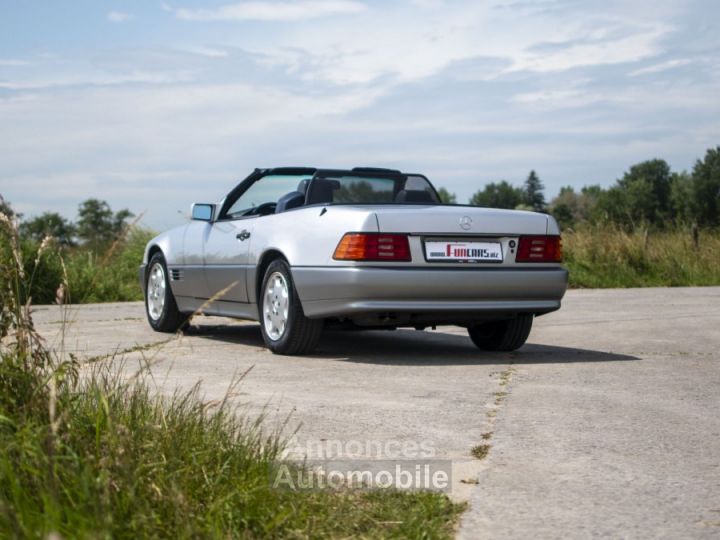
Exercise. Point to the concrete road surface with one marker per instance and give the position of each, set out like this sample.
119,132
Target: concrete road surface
607,423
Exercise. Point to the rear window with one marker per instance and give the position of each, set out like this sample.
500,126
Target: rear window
353,189
356,190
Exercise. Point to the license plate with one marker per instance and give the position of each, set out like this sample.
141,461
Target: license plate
455,251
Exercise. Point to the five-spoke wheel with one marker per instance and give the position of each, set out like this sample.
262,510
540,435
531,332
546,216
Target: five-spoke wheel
285,328
160,306
276,306
156,291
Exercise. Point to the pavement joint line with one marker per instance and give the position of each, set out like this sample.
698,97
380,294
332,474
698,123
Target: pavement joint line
129,350
500,396
478,454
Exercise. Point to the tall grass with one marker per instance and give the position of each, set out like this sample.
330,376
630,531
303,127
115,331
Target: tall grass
87,451
109,276
610,257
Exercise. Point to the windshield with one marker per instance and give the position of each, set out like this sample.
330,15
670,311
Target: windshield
353,189
262,196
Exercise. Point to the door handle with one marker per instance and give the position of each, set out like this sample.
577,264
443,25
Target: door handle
243,235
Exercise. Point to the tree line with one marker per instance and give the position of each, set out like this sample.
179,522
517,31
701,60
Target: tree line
97,226
648,194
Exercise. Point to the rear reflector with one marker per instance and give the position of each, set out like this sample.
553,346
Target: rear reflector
373,247
539,249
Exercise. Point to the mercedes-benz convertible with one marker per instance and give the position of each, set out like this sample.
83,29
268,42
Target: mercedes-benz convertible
298,249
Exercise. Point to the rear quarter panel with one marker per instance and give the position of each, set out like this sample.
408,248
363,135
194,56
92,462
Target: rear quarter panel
308,236
305,237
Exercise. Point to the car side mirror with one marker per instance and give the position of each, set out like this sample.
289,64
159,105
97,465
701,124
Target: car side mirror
203,212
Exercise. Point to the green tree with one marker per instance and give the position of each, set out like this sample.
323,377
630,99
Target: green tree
571,208
646,190
588,209
706,189
97,225
120,220
681,198
532,193
497,195
446,197
565,207
49,223
6,209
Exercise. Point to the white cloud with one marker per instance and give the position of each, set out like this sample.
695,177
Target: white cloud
558,98
636,44
428,4
119,17
663,66
210,52
138,77
12,62
375,46
270,11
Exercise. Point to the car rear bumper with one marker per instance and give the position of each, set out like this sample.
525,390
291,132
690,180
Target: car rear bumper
348,291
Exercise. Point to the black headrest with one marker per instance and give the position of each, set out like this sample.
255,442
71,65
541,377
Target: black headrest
414,196
322,190
289,201
303,185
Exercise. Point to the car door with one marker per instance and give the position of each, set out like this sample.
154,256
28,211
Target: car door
227,246
226,253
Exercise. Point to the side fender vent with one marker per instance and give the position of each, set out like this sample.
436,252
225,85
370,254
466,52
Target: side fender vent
176,274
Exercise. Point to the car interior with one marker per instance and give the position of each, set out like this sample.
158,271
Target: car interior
321,190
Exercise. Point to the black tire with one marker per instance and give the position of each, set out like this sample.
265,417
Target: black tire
502,335
300,335
170,319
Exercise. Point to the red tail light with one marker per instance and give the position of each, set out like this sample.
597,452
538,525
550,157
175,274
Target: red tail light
539,249
373,247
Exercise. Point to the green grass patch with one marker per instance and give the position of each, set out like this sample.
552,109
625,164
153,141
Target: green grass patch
114,460
480,451
608,257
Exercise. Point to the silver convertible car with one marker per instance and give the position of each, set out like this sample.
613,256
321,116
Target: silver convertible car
298,249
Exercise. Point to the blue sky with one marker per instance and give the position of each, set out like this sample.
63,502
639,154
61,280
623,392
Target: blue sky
153,105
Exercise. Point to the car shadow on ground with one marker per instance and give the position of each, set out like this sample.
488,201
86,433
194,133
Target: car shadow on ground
411,348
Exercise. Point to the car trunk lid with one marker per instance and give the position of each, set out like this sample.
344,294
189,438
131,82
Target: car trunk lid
458,220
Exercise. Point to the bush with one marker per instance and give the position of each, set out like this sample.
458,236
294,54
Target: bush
111,277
